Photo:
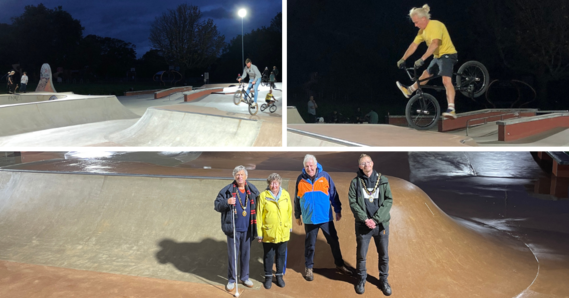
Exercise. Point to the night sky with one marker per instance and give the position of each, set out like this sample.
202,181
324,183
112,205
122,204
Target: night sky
130,20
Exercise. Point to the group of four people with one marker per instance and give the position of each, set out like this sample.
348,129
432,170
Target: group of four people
248,215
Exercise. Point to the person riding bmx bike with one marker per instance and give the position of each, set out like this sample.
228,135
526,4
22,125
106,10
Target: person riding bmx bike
255,77
436,36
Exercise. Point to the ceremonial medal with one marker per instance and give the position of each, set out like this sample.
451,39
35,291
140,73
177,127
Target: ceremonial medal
240,203
244,213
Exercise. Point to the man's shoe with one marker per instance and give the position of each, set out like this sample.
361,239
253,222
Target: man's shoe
344,270
268,282
248,283
450,114
230,286
360,287
280,281
385,287
404,89
308,275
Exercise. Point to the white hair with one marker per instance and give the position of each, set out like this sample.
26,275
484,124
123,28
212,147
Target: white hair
274,177
309,157
422,12
239,169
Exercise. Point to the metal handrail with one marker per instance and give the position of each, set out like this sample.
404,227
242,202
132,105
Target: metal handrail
516,115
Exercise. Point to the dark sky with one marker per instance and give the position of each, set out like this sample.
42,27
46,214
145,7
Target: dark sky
130,20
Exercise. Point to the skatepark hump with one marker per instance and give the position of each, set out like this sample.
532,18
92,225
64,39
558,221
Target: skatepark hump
68,111
126,227
292,116
184,125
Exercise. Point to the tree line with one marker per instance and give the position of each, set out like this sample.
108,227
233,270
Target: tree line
181,38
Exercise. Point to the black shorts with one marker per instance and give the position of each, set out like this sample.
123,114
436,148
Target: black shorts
443,66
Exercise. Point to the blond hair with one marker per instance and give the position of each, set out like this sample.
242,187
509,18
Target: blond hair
422,12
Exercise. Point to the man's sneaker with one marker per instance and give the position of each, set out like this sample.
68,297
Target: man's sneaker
404,89
450,114
248,283
385,287
344,270
230,286
360,287
308,275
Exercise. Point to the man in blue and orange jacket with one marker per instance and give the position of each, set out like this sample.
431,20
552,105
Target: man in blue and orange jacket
315,196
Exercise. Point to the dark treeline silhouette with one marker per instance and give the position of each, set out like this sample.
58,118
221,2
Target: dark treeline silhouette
43,35
345,55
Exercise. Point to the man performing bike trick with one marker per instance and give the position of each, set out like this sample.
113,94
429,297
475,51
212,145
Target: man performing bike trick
254,77
437,38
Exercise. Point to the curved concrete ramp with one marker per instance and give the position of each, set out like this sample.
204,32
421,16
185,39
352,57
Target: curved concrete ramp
9,99
74,110
293,117
368,135
166,228
187,125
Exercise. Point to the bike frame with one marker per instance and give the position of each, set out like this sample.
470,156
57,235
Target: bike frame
415,79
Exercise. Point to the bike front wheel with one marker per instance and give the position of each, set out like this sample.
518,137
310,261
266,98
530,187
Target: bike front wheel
253,108
263,107
237,97
473,79
422,111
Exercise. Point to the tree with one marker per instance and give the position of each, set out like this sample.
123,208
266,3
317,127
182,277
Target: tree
108,57
184,39
277,23
45,35
532,37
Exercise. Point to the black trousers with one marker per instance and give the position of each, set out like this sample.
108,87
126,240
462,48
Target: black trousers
270,250
381,238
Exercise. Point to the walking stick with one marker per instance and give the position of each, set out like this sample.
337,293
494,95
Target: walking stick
234,251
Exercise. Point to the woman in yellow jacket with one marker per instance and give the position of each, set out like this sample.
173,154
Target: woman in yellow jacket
274,224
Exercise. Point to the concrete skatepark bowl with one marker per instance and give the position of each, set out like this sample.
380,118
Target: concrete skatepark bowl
145,227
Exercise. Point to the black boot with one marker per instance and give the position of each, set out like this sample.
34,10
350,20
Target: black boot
360,287
268,282
385,287
280,281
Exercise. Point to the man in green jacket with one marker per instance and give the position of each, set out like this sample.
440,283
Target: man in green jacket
370,200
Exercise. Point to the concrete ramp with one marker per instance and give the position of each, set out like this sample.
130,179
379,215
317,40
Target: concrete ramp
74,110
9,99
187,125
142,226
293,117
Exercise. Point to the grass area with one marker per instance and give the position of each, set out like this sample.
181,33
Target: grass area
117,89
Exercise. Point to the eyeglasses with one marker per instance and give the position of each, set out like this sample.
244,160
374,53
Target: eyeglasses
365,163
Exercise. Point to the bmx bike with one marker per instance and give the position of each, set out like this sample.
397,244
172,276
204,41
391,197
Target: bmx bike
423,110
242,96
272,106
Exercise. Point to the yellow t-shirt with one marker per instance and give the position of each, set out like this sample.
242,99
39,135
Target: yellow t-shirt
436,30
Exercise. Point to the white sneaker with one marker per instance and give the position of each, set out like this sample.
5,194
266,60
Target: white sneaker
404,89
230,286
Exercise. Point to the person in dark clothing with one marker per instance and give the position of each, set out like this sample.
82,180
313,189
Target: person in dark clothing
245,220
358,116
11,83
276,71
370,200
336,117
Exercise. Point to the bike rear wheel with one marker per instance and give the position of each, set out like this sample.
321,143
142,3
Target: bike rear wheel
253,108
473,78
422,111
263,107
273,109
237,97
